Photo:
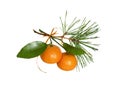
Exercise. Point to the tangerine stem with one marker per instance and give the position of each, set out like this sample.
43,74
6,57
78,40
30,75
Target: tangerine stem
47,39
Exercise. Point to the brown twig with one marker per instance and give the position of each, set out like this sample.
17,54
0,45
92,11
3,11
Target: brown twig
52,35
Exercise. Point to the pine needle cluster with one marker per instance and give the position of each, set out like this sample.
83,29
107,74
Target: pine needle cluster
80,33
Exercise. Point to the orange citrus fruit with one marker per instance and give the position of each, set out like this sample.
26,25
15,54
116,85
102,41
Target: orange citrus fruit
67,62
52,54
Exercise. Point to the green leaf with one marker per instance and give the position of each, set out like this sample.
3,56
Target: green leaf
32,50
73,50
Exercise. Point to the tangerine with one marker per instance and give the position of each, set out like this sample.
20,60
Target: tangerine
67,62
52,54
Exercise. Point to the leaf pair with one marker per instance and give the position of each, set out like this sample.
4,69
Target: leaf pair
36,48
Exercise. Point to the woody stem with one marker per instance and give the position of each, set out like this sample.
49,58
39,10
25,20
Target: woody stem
51,36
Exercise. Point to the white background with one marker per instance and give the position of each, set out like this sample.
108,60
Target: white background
19,17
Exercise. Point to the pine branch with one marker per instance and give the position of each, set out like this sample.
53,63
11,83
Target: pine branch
79,36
